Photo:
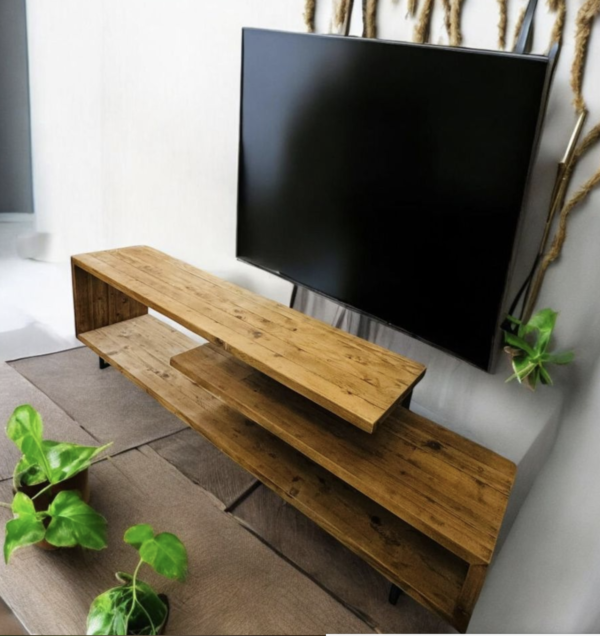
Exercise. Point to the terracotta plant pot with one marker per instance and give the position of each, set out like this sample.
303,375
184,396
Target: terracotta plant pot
79,482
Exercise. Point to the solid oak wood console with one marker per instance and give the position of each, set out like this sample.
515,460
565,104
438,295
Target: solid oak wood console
314,413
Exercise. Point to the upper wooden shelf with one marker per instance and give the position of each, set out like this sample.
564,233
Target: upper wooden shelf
355,379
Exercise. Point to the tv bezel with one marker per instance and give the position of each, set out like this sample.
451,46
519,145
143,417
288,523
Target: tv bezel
495,347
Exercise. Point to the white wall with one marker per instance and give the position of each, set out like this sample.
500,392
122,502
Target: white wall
135,126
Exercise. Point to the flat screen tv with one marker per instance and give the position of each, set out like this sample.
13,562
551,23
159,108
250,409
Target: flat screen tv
389,177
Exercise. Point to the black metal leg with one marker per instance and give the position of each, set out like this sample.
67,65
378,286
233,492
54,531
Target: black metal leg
103,363
395,593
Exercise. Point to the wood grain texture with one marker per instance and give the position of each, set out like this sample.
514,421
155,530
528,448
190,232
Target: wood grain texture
142,349
98,304
333,566
469,595
357,380
449,488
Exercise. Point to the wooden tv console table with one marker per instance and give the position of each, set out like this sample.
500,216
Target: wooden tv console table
314,413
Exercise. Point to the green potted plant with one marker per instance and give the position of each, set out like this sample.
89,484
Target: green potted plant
51,490
528,346
134,607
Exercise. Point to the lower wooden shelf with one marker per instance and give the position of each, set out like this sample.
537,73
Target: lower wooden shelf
142,348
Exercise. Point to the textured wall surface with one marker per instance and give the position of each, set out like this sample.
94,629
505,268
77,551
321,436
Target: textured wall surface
135,129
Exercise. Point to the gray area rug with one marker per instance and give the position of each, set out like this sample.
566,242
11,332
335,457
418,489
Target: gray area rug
259,565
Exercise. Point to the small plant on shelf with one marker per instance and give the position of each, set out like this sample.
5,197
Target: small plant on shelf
528,346
134,607
50,483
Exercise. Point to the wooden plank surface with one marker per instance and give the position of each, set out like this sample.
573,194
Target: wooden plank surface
359,381
446,486
333,566
142,348
97,304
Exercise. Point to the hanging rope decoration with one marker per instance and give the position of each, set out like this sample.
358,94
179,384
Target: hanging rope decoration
423,27
519,26
455,15
585,18
560,7
310,9
412,7
340,13
369,18
447,16
503,23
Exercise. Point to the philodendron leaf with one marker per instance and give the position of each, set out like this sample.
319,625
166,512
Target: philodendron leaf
67,460
26,529
137,535
75,523
167,555
112,613
108,612
28,474
150,613
25,429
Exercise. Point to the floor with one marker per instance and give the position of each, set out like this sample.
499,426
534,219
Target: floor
35,301
36,319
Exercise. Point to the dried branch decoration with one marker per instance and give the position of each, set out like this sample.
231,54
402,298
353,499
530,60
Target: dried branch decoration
370,18
553,4
585,18
519,26
423,27
310,9
559,24
503,23
456,33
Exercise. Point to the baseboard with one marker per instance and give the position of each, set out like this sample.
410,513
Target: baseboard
16,217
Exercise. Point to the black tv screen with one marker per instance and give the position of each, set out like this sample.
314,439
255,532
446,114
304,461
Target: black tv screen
389,176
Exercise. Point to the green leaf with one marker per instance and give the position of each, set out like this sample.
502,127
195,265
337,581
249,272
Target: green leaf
137,535
75,523
545,376
67,460
25,429
112,613
533,378
22,505
26,529
565,357
167,555
28,474
108,612
149,614
544,321
520,343
522,368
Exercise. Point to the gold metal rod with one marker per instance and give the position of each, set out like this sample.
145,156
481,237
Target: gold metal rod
348,18
563,178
